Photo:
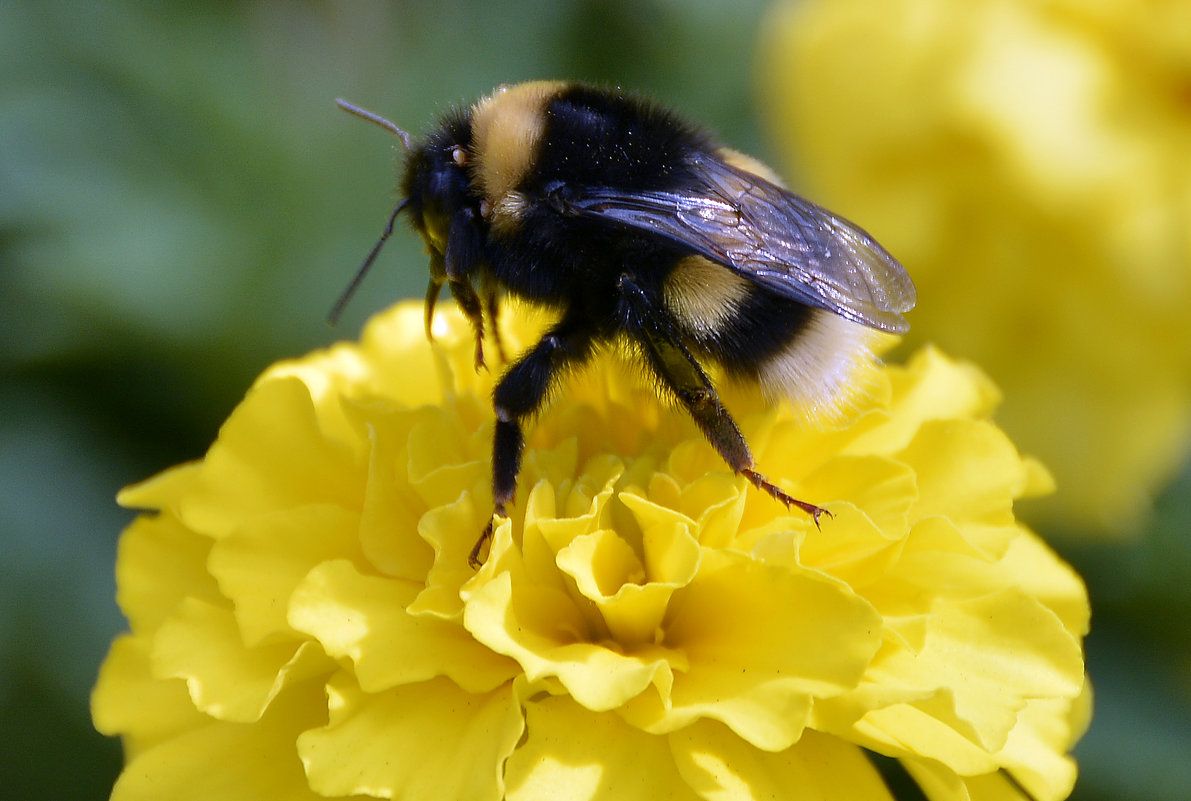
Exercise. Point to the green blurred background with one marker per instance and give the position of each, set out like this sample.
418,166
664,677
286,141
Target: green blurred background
181,202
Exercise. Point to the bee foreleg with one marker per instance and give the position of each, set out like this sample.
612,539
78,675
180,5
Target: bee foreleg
431,301
461,261
469,304
492,306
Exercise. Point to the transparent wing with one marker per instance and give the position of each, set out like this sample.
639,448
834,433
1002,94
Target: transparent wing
783,242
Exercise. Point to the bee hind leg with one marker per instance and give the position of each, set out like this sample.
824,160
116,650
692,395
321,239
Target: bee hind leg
762,483
680,372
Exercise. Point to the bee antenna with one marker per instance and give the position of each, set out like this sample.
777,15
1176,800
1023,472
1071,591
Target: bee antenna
337,309
373,117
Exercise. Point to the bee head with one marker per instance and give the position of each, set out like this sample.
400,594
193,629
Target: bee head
437,183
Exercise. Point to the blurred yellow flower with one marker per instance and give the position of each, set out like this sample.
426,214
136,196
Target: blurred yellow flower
304,622
1030,163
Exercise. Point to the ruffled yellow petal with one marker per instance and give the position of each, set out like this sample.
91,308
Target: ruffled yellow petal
539,626
886,490
162,491
392,507
607,570
201,644
230,761
930,386
939,782
161,563
426,740
721,767
451,531
259,565
987,656
129,700
277,424
571,754
1034,752
967,470
367,619
762,644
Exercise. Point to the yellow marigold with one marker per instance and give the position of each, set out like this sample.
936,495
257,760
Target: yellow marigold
1030,163
304,622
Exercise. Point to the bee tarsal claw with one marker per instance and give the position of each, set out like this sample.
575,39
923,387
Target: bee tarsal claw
760,482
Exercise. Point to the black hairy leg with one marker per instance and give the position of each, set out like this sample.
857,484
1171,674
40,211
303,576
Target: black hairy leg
492,307
469,304
762,483
432,293
461,261
682,374
523,391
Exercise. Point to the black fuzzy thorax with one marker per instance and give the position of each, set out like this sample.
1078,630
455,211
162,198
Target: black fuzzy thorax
595,138
598,138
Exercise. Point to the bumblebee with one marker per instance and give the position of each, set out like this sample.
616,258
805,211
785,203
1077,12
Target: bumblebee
637,227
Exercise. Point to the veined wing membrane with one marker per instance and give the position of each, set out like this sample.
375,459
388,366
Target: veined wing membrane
783,242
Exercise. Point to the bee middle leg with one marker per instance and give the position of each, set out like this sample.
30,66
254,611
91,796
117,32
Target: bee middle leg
521,392
678,369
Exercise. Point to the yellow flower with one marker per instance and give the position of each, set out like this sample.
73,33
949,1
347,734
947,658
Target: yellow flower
304,622
1030,163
